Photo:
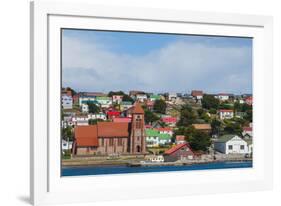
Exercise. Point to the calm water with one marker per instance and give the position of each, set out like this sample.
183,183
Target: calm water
101,170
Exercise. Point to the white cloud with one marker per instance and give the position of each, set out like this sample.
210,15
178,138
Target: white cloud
179,66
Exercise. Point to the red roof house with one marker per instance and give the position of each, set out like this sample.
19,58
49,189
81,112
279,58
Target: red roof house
179,152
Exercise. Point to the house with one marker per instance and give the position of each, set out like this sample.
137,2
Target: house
80,120
154,97
179,152
149,104
172,96
165,130
66,101
249,100
66,145
97,116
107,138
141,97
84,108
171,121
105,102
203,127
134,93
247,132
197,94
117,99
87,99
226,114
223,97
112,114
124,105
180,139
231,144
155,139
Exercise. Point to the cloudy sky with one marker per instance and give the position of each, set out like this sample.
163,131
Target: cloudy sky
105,61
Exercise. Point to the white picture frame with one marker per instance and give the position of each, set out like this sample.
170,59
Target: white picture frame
47,186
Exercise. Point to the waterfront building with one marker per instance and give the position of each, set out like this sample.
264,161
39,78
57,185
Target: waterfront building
107,138
231,144
179,152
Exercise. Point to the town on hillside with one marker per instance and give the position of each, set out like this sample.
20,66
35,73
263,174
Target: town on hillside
141,128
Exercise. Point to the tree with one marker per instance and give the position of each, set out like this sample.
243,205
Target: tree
233,128
150,116
93,108
94,121
160,106
216,127
67,133
199,141
210,102
72,90
187,116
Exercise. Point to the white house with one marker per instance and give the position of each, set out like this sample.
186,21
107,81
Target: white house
66,102
155,139
105,102
141,97
85,108
226,114
97,116
232,144
223,97
80,120
66,145
117,99
197,94
86,99
172,96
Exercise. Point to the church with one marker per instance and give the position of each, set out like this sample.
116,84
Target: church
107,138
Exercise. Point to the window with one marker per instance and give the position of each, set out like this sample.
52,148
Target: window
138,122
102,142
230,147
242,147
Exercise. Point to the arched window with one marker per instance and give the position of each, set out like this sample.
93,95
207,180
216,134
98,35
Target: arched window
138,148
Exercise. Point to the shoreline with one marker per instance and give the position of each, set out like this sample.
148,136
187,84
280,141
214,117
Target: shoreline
138,164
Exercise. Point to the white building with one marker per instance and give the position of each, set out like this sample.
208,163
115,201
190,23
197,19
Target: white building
80,120
86,99
172,96
66,101
117,99
97,116
223,97
232,144
141,97
66,145
226,114
85,108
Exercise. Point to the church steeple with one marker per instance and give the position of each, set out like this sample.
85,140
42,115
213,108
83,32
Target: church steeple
137,136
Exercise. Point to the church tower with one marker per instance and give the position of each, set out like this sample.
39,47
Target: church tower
137,135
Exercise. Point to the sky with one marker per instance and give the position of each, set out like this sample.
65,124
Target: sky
102,61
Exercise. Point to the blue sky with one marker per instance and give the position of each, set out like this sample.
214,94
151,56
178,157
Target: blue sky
105,61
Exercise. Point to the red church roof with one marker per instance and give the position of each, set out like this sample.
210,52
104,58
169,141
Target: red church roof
138,109
86,135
